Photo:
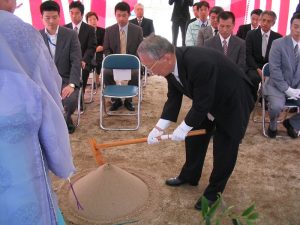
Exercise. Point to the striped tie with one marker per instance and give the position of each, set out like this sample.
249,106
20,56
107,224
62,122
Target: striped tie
296,52
225,47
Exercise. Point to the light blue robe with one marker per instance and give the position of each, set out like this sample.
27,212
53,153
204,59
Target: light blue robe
33,133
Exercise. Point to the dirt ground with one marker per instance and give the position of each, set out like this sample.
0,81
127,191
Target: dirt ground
266,173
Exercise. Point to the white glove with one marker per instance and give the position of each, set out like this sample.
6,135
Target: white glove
157,131
293,93
180,132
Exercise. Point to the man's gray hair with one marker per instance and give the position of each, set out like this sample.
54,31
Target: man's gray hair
138,4
155,47
269,13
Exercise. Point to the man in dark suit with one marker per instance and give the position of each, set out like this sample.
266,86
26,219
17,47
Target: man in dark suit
221,104
140,20
258,44
180,17
87,39
231,46
132,36
243,29
64,47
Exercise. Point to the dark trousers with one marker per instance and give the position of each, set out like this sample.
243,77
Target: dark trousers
254,78
70,103
175,30
85,77
225,151
109,80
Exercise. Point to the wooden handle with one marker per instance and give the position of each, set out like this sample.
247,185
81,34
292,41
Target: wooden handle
141,140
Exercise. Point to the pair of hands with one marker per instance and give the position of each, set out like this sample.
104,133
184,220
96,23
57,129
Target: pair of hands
179,133
293,93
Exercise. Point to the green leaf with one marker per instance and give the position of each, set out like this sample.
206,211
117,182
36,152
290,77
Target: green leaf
236,221
204,206
249,210
213,208
218,221
249,222
253,216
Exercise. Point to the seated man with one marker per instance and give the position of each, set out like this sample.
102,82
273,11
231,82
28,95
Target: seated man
64,47
145,23
243,29
87,39
284,81
211,30
194,27
122,38
258,44
231,46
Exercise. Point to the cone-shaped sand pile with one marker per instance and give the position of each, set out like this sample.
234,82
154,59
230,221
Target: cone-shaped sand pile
108,193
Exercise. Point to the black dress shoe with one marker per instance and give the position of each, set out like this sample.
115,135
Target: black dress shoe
175,181
129,105
290,130
271,133
198,204
71,126
116,105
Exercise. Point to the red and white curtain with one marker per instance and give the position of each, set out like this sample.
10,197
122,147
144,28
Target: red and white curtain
105,10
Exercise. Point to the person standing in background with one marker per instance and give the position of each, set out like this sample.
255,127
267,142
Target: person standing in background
180,18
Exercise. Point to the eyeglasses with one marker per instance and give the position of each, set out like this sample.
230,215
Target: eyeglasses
150,69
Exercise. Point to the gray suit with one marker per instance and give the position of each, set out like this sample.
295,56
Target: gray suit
236,49
283,74
67,60
204,34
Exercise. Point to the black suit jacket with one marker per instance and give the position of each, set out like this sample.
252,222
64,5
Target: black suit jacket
181,10
100,32
87,41
111,43
243,30
254,58
147,26
215,85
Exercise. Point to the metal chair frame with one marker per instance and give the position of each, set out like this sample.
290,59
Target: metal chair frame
287,108
120,61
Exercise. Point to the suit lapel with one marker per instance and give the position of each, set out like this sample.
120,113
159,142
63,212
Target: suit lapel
44,35
59,45
231,46
218,43
182,74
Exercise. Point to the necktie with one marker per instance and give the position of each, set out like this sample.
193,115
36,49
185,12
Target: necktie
296,52
139,22
123,42
225,47
264,44
215,32
76,29
203,25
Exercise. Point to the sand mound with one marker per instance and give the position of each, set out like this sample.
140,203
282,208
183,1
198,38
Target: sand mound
108,193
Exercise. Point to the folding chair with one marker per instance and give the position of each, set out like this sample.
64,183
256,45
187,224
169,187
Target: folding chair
92,77
122,66
290,104
79,102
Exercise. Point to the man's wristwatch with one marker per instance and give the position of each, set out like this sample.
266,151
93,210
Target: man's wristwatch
72,85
